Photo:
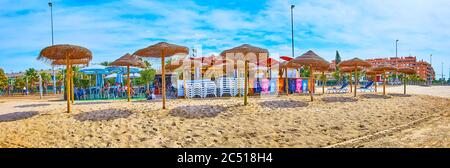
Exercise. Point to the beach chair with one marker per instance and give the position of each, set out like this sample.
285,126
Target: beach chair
209,88
342,89
367,87
225,86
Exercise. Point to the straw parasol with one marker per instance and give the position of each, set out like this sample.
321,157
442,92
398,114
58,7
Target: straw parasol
323,70
406,71
287,65
384,68
269,62
68,53
128,60
374,74
162,50
355,63
312,60
247,51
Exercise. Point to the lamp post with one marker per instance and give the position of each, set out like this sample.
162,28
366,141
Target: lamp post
292,30
396,59
50,4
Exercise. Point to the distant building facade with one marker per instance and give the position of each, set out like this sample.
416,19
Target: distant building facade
424,70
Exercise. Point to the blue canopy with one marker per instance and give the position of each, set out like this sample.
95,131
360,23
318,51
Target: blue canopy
98,71
122,70
95,69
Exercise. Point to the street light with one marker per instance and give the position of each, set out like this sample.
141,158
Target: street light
50,4
292,28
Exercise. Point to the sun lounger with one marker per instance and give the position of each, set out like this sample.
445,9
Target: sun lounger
342,89
367,87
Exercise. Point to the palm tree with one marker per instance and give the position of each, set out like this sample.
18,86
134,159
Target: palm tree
32,76
105,63
46,78
3,79
147,75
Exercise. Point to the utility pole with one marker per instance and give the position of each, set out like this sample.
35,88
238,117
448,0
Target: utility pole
292,29
50,4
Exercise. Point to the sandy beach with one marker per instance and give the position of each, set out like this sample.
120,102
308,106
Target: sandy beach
333,120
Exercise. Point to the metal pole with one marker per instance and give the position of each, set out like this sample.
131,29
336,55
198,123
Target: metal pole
292,29
40,86
50,4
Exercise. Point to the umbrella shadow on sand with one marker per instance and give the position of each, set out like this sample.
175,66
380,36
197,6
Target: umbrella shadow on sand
339,99
31,105
17,116
399,95
283,104
199,111
375,96
102,115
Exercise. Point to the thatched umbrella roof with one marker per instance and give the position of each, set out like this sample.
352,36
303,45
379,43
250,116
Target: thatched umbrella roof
72,62
156,50
384,67
290,64
64,51
311,58
408,71
268,62
370,72
354,62
129,60
350,69
245,50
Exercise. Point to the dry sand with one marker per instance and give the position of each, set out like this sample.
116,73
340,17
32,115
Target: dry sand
290,121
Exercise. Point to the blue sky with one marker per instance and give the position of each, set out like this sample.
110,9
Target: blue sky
363,28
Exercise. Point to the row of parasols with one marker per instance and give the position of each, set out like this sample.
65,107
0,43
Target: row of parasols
70,55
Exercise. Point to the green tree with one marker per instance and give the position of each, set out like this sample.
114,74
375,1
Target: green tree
46,79
105,63
33,78
338,58
19,83
147,75
304,72
3,79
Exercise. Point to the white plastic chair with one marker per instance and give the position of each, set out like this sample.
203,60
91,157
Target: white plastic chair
209,88
225,86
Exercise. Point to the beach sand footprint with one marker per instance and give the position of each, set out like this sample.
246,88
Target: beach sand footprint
17,116
32,105
399,95
102,115
283,104
199,111
339,99
375,96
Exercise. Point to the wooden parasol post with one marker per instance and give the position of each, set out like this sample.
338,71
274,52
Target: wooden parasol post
311,74
376,83
384,82
68,84
72,87
246,83
286,82
323,82
350,81
184,84
163,79
356,80
128,85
